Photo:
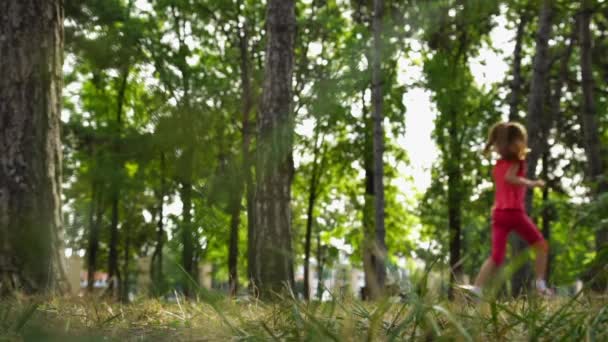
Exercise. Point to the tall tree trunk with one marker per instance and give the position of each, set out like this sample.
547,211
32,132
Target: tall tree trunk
93,242
233,244
369,268
379,249
31,241
592,143
113,267
538,92
516,82
157,256
113,270
454,192
250,195
547,212
243,181
189,250
534,125
320,262
95,219
312,198
554,114
124,288
187,236
272,248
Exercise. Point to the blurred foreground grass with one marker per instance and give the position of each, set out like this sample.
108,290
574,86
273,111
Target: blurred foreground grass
583,317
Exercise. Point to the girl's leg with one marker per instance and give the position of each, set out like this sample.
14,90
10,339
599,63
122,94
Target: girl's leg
528,231
499,246
487,270
542,255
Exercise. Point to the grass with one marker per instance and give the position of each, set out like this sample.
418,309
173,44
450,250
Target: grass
582,317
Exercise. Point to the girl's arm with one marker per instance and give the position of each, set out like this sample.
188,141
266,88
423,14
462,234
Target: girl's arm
512,177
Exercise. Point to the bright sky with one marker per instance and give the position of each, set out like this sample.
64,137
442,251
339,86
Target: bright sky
488,68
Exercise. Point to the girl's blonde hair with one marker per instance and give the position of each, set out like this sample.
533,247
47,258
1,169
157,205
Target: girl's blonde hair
509,139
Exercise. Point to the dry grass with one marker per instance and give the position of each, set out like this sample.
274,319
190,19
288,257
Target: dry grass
418,318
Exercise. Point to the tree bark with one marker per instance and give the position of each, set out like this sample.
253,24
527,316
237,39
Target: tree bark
312,198
546,214
320,262
516,82
124,288
187,233
371,280
113,271
243,181
454,193
233,244
534,125
538,92
554,114
93,242
113,268
95,219
379,248
371,288
157,256
592,142
31,241
272,250
186,161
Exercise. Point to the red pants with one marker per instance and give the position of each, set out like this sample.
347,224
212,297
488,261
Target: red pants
505,220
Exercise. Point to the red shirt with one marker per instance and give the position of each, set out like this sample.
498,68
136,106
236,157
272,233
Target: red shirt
507,195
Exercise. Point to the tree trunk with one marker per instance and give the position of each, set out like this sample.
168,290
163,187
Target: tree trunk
233,250
187,236
124,288
233,244
454,193
93,242
319,267
516,82
371,288
272,251
534,125
31,235
547,212
312,198
157,256
95,219
113,270
377,102
369,268
592,143
538,92
250,194
554,114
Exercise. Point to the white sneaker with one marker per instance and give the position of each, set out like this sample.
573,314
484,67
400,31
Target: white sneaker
545,292
471,289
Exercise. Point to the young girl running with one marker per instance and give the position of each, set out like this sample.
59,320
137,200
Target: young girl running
510,141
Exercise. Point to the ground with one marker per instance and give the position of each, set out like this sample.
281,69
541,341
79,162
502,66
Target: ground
219,319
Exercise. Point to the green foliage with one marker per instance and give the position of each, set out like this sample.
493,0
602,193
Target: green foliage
175,67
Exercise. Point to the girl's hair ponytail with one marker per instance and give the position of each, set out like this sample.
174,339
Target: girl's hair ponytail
509,139
494,136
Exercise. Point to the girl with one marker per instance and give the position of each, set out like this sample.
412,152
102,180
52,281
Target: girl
510,140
